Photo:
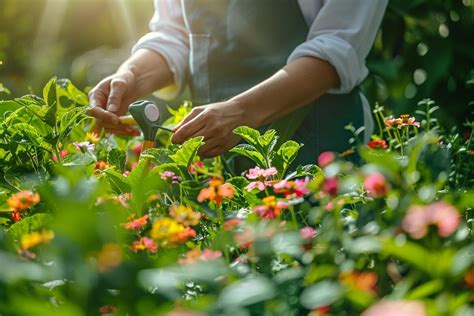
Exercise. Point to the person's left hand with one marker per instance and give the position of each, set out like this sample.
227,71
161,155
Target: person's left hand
215,122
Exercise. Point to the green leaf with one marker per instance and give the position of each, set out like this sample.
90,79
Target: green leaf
285,155
116,157
246,292
426,289
249,134
120,183
28,224
268,140
321,294
250,152
186,154
50,97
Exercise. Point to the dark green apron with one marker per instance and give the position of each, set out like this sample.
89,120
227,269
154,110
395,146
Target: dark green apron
236,44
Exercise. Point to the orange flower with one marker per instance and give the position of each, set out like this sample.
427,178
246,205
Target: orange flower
364,281
469,278
216,191
137,223
101,165
144,243
271,208
196,255
109,257
23,200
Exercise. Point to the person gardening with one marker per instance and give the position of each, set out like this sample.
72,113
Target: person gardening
290,65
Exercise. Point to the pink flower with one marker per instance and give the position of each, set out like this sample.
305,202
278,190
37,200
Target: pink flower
376,185
396,308
440,214
307,232
331,186
63,154
291,189
170,175
261,175
258,173
326,158
84,146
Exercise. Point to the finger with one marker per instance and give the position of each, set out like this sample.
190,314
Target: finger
118,87
195,112
216,151
98,95
122,132
209,144
107,125
103,115
189,129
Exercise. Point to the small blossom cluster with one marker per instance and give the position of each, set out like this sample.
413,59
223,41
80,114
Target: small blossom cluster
170,176
440,214
21,202
403,120
216,192
196,255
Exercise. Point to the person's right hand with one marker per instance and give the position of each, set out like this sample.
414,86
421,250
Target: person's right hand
110,99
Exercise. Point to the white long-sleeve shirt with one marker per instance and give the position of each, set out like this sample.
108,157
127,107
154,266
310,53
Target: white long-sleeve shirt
340,31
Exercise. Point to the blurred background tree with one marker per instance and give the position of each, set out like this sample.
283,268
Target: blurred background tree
425,48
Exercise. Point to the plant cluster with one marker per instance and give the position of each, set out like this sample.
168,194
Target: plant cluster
93,225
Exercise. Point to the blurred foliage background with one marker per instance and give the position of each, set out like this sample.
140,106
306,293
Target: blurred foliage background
425,48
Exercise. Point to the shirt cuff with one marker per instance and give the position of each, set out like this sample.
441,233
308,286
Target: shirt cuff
172,52
340,54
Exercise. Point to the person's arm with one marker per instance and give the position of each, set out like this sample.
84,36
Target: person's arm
333,59
159,59
301,81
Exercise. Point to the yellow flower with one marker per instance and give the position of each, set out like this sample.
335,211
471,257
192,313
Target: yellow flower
92,137
34,239
184,215
170,232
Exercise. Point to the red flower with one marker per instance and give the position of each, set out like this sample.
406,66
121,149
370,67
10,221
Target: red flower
16,216
193,168
137,149
331,186
377,144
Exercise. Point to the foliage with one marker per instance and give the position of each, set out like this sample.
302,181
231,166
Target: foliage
91,225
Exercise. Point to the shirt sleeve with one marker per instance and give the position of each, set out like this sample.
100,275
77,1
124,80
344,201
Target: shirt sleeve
169,37
343,34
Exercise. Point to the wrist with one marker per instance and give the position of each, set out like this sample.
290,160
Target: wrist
252,115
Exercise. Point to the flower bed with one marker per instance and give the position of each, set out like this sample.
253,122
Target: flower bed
92,225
